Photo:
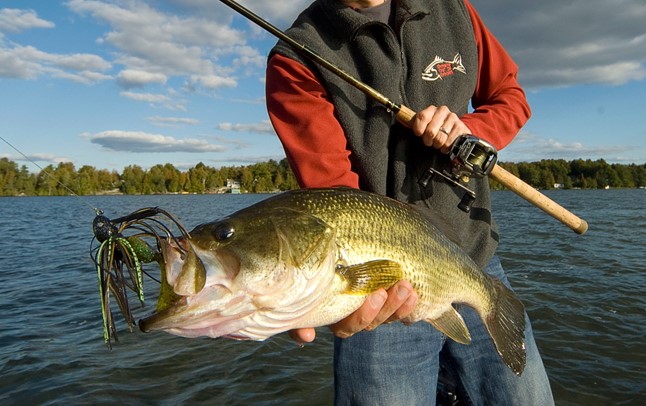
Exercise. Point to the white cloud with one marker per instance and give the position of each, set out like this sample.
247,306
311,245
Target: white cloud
14,20
213,81
160,43
555,43
279,13
172,121
137,141
247,160
558,43
85,77
156,99
48,158
27,62
12,65
146,97
129,78
37,157
263,127
527,146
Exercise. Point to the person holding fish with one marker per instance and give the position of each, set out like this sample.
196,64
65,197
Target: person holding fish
437,57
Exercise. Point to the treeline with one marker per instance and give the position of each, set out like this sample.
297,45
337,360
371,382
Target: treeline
577,174
64,179
272,176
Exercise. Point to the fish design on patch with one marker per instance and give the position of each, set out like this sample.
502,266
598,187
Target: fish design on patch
441,68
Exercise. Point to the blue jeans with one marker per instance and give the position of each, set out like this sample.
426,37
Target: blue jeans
398,365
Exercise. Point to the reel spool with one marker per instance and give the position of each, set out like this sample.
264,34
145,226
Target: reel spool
470,156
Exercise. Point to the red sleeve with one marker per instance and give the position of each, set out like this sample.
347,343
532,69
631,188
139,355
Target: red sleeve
304,119
500,106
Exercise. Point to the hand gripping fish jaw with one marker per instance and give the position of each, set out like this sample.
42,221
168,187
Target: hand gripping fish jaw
470,156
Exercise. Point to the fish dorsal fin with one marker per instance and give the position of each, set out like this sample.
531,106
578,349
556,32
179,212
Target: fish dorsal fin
452,325
305,240
369,276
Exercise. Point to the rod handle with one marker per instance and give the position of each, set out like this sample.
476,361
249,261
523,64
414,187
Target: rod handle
538,199
405,115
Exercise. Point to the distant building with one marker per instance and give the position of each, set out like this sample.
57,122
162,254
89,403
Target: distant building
559,186
233,186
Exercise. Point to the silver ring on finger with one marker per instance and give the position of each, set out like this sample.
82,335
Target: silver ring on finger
444,130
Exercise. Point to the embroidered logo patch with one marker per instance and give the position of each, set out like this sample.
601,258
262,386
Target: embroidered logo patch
440,68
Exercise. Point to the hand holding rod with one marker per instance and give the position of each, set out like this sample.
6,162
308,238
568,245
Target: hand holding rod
405,116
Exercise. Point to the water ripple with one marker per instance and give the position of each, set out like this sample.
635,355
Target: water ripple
583,293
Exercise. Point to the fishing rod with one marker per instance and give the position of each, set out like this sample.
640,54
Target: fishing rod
471,155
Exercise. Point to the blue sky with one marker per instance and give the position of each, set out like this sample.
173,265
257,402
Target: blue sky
113,83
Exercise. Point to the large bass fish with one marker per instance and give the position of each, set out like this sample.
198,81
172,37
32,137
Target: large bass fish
310,257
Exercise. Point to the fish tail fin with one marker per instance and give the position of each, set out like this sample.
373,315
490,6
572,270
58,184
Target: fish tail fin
458,65
506,325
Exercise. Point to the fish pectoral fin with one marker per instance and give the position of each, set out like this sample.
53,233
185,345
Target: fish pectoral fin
369,276
452,325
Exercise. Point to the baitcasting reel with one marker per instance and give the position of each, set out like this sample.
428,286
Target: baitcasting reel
470,156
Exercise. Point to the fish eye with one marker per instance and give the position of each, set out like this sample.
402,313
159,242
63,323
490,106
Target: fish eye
223,232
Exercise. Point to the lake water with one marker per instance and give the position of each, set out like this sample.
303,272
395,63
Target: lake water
585,295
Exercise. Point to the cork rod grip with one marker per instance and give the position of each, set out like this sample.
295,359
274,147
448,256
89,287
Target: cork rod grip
538,199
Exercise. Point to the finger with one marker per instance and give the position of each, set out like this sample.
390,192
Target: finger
398,296
405,310
440,138
446,132
440,118
362,317
458,129
432,135
422,119
302,335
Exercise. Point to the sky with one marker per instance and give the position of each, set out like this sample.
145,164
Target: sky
114,83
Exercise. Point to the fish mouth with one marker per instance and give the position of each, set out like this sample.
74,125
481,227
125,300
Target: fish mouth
190,317
173,294
156,320
185,318
186,303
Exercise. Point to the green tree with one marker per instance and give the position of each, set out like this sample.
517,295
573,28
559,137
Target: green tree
262,177
132,180
107,181
172,179
246,179
529,173
155,180
271,176
25,182
197,178
547,179
8,171
88,181
639,174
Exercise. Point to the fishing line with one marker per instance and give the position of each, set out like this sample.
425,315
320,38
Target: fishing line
97,211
